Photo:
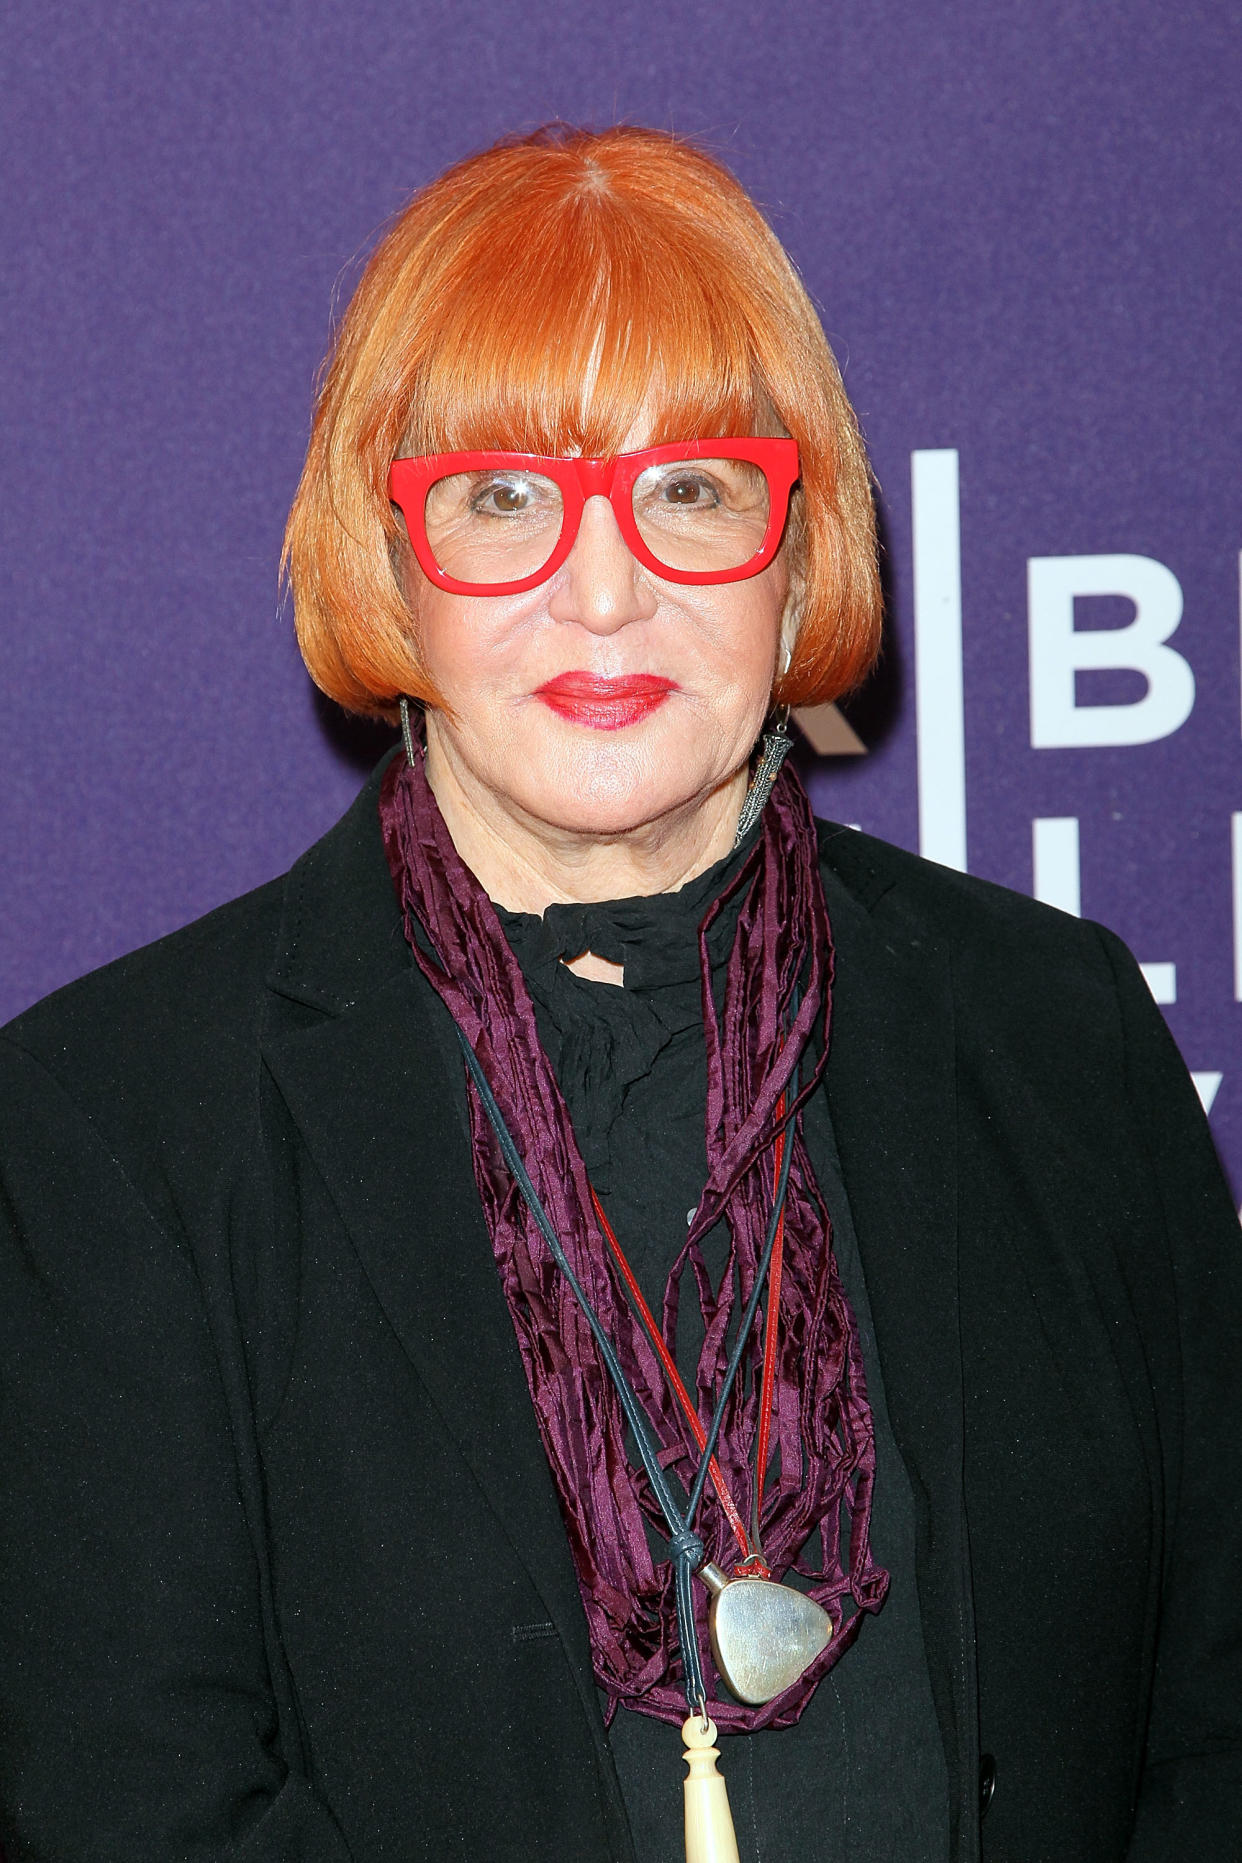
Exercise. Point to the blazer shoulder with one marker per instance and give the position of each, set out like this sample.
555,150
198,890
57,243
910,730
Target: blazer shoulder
874,871
209,981
162,1047
159,1048
1009,954
208,975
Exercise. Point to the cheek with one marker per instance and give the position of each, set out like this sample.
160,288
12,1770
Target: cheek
460,642
743,635
441,638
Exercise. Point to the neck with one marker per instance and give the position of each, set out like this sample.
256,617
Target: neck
526,865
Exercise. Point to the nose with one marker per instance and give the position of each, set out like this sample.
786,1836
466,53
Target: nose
600,585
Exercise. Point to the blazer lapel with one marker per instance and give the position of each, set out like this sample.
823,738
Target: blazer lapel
892,1090
365,1082
377,1112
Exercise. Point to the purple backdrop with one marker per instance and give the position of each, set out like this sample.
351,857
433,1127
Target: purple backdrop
1021,227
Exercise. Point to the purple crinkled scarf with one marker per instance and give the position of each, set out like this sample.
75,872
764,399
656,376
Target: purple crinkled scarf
822,1467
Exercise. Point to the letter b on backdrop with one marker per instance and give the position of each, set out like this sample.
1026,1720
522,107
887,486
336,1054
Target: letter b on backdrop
1058,651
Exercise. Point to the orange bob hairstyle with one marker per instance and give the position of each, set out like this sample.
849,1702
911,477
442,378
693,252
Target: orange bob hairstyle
540,297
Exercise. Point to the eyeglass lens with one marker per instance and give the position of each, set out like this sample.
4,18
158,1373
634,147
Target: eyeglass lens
701,515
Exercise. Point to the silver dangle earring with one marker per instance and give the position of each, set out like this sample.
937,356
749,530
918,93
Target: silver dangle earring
777,744
407,736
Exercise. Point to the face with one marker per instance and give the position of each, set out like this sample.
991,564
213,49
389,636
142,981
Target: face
606,698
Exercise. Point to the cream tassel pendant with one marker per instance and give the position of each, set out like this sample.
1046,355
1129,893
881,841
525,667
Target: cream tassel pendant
709,1822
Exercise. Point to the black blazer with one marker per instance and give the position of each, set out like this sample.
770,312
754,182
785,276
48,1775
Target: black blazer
283,1573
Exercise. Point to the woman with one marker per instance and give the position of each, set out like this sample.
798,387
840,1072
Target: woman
337,1525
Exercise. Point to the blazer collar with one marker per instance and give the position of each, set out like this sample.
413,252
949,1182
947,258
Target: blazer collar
341,935
364,1079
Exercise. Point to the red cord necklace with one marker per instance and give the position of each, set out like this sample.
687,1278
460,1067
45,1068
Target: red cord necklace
763,1634
753,1564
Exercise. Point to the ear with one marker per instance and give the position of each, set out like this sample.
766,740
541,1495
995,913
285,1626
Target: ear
791,620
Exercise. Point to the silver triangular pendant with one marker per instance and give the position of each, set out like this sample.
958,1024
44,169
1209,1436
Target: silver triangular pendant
763,1634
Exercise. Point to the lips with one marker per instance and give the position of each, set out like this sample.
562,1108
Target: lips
605,704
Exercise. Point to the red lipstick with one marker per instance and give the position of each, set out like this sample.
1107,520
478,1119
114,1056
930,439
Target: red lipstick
605,704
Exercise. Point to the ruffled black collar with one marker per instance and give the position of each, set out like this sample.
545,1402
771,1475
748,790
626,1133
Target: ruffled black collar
654,936
603,1040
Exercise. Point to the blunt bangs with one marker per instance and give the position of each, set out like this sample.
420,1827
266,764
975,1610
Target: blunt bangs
573,293
555,339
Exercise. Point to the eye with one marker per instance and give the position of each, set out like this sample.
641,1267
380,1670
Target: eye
687,489
503,497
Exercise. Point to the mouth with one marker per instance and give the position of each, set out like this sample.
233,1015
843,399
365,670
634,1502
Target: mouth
605,704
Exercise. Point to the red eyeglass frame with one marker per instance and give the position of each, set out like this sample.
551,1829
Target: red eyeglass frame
580,479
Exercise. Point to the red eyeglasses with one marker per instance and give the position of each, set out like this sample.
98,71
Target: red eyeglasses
693,511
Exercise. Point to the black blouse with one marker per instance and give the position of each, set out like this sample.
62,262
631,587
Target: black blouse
862,1775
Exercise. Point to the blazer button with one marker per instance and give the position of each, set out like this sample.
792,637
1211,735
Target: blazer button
987,1782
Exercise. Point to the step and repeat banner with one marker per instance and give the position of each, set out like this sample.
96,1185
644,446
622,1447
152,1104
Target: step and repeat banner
1021,228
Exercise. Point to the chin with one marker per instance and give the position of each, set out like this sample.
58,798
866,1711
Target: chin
604,823
613,789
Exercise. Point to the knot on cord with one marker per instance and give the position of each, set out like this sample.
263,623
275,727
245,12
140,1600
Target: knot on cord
687,1548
